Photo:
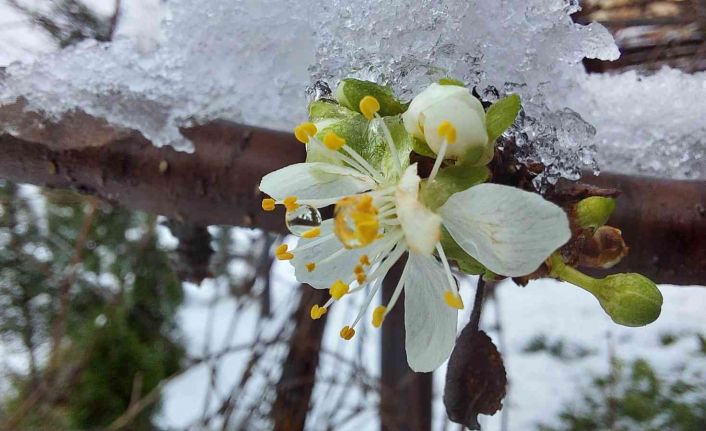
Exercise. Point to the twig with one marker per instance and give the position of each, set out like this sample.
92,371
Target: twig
477,304
64,288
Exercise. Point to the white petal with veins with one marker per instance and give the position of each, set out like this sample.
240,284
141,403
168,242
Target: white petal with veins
430,324
508,230
315,181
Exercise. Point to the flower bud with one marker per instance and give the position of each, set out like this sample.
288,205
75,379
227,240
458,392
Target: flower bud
629,299
439,103
594,211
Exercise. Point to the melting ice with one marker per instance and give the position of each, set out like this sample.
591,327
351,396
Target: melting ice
251,61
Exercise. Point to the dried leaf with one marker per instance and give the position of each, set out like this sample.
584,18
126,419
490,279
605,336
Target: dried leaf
475,380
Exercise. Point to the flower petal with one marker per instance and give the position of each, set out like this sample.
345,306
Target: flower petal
508,230
430,324
315,181
470,127
433,94
341,266
422,227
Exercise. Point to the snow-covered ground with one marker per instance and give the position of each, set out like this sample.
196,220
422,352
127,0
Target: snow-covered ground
539,382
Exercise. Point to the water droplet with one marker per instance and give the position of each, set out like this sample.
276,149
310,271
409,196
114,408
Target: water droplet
302,219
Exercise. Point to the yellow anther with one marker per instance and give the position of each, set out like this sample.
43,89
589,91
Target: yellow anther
316,312
338,289
281,253
356,221
333,141
358,269
290,202
268,204
364,260
360,278
448,131
304,132
347,332
369,106
379,315
312,233
285,256
310,266
453,300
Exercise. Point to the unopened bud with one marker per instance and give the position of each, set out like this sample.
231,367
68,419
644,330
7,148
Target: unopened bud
594,211
629,299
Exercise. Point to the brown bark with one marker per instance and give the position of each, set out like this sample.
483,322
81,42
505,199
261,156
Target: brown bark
664,224
405,396
664,221
296,383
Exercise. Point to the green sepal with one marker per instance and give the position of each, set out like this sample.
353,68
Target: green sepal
422,148
594,211
454,252
451,81
501,115
451,180
378,152
360,134
350,92
331,117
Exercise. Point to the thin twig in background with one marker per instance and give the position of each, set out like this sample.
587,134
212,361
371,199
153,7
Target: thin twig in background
59,327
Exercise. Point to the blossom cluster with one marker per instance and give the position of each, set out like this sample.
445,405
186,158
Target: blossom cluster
386,207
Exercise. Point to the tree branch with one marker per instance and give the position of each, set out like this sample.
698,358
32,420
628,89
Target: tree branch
663,221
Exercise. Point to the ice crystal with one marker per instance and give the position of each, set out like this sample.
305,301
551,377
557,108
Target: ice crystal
251,61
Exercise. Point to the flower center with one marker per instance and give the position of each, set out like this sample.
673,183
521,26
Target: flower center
356,221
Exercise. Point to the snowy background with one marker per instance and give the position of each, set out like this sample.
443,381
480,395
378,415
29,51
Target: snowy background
169,69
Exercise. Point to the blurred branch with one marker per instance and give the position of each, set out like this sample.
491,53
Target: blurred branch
59,326
296,383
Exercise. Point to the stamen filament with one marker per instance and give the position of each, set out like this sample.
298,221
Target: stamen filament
398,290
387,213
342,157
439,159
382,260
377,176
390,143
447,268
333,256
366,304
314,242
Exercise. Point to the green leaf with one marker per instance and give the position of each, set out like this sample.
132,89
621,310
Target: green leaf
451,81
449,181
501,115
350,91
422,148
454,252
